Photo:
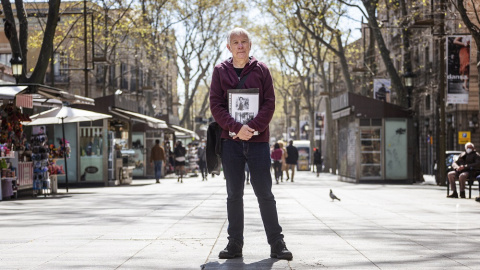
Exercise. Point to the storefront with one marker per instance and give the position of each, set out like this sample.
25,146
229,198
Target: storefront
33,163
130,136
373,140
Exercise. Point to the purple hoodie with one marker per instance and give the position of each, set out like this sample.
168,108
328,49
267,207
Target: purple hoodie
224,78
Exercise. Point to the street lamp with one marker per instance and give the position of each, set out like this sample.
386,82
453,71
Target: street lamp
17,67
320,126
292,133
306,129
408,81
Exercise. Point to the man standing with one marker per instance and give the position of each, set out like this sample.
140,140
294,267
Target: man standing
292,158
245,147
156,157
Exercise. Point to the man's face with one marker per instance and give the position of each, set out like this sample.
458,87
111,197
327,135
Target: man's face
239,47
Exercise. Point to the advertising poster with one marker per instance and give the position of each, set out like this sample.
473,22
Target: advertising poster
458,68
382,89
319,126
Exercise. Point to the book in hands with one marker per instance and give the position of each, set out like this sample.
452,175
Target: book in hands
243,105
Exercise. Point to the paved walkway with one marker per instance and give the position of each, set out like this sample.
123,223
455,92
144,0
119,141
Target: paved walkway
183,226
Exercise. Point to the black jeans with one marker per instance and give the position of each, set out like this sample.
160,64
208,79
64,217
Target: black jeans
277,168
257,155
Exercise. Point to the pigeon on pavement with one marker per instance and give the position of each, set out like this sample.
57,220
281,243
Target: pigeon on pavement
333,196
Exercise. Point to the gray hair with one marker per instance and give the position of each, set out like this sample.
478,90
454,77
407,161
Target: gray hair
469,144
238,31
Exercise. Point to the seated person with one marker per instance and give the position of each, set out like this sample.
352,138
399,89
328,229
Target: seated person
467,161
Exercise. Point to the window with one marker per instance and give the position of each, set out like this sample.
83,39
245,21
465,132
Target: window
427,59
100,78
123,76
60,65
427,102
5,58
113,76
133,79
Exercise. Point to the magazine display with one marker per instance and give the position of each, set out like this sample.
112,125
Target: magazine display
243,105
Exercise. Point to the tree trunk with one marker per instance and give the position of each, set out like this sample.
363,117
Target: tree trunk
397,84
38,74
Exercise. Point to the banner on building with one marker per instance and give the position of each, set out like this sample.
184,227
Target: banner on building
382,89
458,68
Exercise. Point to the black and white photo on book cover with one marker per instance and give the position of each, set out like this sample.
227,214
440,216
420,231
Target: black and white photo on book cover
243,104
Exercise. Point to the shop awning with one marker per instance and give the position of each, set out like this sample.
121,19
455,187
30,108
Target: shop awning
43,94
150,121
181,129
10,91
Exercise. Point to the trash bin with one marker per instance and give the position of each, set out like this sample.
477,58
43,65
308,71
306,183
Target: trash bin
53,183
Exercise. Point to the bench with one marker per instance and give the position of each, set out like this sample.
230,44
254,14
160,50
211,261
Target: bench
475,176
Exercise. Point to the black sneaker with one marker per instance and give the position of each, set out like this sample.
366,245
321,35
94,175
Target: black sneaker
453,195
233,249
279,250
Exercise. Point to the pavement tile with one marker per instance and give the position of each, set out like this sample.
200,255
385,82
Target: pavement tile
184,226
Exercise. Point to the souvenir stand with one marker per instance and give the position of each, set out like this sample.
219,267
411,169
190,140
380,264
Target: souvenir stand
40,155
11,140
44,156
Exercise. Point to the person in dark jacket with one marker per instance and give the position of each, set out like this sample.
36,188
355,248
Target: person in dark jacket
202,160
244,146
317,160
292,158
463,166
179,154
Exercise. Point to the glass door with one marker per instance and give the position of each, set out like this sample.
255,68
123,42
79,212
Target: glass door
370,153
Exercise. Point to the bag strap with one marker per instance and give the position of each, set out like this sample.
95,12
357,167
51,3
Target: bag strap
242,81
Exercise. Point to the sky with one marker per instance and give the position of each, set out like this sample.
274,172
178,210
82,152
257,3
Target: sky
351,22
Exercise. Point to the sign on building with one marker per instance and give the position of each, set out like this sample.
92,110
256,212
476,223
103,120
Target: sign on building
463,137
458,68
382,89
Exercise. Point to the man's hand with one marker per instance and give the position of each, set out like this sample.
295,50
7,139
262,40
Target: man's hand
460,168
245,133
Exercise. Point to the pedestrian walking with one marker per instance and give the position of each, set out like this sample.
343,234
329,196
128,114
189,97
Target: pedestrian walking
170,166
292,158
317,161
202,160
284,163
179,154
276,156
245,72
157,157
